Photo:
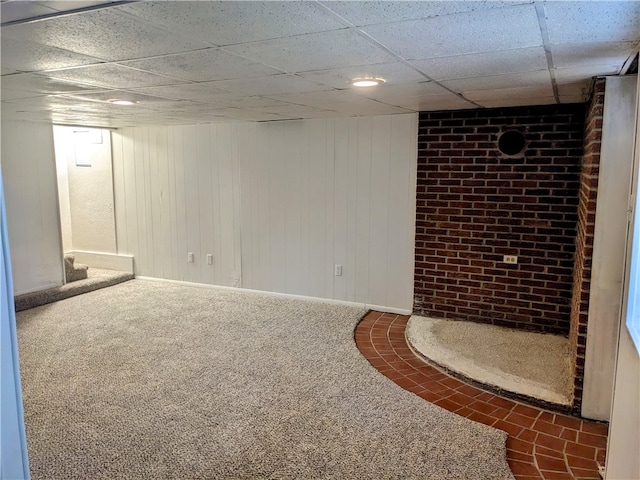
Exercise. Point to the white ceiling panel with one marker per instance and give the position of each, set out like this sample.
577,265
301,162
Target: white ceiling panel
393,73
18,10
203,66
8,94
33,82
317,51
254,101
516,93
483,64
388,93
196,92
112,76
445,101
104,34
570,75
25,56
539,78
517,102
580,89
592,21
371,13
471,32
271,85
584,54
227,23
186,61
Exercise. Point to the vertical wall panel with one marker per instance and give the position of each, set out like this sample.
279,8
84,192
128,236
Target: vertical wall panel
317,207
293,187
340,205
205,141
329,183
31,197
379,203
351,273
363,203
277,203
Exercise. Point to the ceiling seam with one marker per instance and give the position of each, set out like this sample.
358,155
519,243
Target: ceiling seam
546,44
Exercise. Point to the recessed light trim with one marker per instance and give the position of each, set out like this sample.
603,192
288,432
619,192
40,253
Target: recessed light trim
366,82
120,101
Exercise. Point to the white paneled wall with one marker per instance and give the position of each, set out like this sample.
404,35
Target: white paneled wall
277,204
28,167
176,191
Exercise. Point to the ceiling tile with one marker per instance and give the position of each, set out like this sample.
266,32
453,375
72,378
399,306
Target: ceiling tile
22,55
105,34
202,66
270,85
570,75
572,99
19,10
317,99
8,94
196,92
296,111
517,102
227,23
603,53
331,50
104,96
462,33
252,115
581,88
392,73
493,82
369,13
66,5
388,93
254,101
593,21
33,82
444,101
516,93
112,76
483,64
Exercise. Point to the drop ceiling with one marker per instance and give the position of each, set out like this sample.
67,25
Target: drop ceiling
220,61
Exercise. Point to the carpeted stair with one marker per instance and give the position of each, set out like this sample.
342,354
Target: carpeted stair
74,271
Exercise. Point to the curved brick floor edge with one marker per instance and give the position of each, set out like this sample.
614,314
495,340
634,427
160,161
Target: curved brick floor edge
541,444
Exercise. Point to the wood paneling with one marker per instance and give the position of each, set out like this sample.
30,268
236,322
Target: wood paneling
31,197
277,204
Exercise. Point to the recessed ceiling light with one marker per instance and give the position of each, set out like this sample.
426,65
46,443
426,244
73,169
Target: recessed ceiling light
366,82
118,101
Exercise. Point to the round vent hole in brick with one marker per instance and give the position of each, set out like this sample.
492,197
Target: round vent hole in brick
511,142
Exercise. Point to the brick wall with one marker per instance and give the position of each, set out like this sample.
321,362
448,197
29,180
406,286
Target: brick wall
584,237
475,205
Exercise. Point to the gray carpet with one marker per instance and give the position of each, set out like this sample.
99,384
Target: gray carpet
159,381
96,278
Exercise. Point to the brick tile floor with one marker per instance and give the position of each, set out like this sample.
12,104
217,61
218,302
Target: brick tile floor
541,444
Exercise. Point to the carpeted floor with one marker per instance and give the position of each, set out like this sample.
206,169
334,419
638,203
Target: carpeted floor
97,278
161,381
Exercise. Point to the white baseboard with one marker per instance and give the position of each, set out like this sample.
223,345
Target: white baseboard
330,301
108,261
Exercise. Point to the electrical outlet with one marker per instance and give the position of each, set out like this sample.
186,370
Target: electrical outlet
190,257
338,270
513,259
209,259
